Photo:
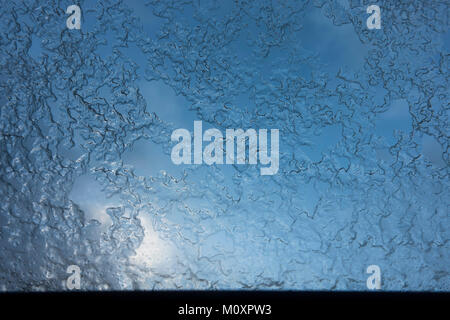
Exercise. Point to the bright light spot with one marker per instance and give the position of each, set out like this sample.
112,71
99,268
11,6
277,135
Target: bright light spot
153,251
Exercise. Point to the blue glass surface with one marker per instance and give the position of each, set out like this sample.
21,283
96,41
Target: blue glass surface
86,118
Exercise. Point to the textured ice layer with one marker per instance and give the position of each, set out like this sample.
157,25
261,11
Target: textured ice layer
85,123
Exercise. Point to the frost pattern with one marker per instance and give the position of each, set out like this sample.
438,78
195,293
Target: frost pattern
348,194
